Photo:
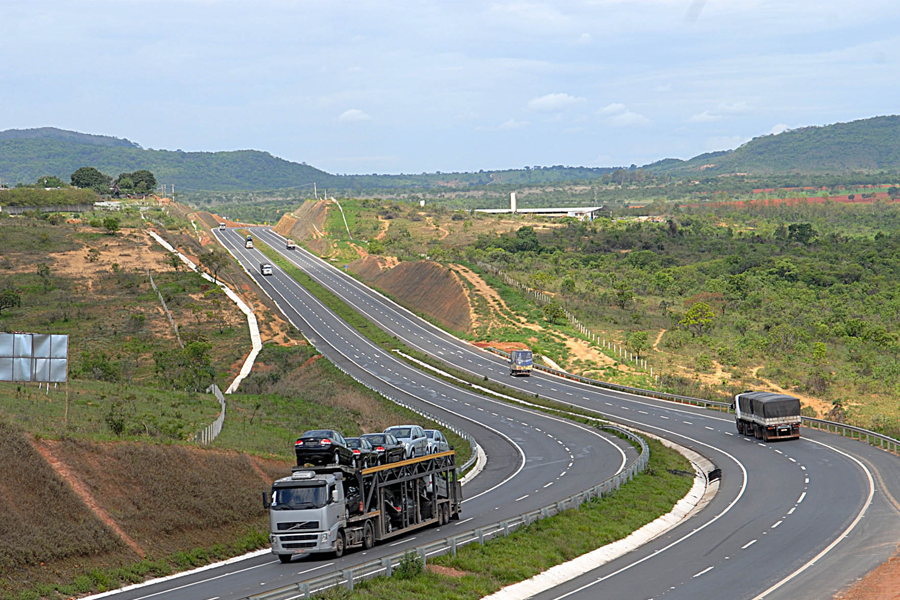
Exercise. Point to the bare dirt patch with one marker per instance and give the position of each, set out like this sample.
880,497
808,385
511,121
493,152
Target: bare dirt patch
500,313
446,571
658,339
821,407
881,584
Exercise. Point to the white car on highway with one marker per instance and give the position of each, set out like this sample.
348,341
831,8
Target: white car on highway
411,436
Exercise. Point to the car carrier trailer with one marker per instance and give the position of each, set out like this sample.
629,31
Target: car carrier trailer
331,508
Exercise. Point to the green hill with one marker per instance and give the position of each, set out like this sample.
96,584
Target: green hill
28,154
866,145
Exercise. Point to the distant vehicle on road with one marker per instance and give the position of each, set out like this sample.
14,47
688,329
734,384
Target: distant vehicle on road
436,441
388,448
221,226
265,268
411,436
249,243
521,362
767,416
363,452
291,245
323,447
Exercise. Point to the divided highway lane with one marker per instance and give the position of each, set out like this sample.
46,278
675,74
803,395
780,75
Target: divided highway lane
751,492
544,459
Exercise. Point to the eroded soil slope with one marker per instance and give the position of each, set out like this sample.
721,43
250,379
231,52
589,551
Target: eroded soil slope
425,285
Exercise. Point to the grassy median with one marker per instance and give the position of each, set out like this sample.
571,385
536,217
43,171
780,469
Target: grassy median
477,570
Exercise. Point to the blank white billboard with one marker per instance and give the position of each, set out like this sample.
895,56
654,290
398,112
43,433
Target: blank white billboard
37,357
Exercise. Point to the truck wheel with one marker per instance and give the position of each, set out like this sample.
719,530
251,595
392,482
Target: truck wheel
765,435
739,427
285,558
368,535
339,544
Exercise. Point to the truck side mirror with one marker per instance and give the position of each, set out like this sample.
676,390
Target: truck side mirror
265,499
334,495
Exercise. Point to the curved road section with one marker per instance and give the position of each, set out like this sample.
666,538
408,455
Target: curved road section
795,519
534,459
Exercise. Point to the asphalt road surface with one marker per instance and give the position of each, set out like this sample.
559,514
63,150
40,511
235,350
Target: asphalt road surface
793,519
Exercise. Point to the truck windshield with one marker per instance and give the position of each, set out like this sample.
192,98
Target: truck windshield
299,497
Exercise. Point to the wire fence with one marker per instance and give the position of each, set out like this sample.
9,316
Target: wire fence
166,308
617,350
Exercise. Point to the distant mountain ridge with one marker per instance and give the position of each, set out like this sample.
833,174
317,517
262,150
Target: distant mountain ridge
52,133
864,145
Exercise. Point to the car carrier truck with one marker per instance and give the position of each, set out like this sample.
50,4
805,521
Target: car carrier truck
767,416
331,508
520,362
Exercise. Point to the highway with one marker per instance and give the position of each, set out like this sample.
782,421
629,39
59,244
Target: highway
534,459
796,519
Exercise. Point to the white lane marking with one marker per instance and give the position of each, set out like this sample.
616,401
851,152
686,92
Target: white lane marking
643,412
663,417
710,428
793,508
546,485
687,422
402,541
205,580
748,544
465,520
523,497
846,532
731,505
802,496
802,467
792,459
728,433
707,570
775,525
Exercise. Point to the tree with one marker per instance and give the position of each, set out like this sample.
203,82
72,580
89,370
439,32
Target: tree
624,294
50,181
893,192
43,272
567,286
698,318
801,232
638,342
111,224
89,177
214,261
10,298
174,260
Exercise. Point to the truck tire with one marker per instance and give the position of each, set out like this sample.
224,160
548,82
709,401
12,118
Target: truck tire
340,543
740,428
285,558
368,535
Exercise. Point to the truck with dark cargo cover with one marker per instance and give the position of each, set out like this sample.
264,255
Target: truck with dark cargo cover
767,416
331,508
521,362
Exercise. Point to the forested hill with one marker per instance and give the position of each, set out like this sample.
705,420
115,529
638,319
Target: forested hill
866,145
27,154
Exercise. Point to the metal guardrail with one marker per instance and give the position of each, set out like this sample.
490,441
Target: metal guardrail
851,431
212,431
347,578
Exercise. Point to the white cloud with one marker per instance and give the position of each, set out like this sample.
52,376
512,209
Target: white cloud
780,128
628,119
553,102
611,109
513,124
354,115
735,108
704,117
585,39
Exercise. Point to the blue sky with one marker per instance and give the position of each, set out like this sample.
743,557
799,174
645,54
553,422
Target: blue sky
389,87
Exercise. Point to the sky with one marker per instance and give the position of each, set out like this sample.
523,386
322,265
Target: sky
408,87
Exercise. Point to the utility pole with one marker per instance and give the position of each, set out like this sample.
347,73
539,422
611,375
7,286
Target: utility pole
315,193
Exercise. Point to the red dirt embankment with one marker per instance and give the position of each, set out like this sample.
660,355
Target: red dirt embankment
426,285
70,506
305,223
